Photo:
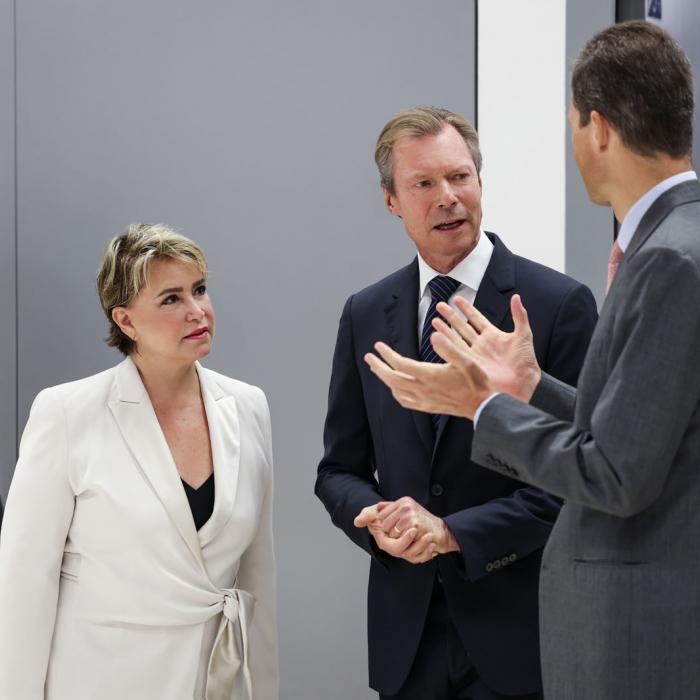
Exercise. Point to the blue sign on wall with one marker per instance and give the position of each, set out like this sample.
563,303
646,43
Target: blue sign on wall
654,9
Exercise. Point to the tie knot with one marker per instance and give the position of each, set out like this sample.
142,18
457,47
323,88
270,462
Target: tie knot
616,254
442,287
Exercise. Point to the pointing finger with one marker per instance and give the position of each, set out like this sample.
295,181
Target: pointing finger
448,351
455,321
472,314
465,337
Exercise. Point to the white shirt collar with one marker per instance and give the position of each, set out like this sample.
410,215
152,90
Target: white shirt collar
469,272
641,206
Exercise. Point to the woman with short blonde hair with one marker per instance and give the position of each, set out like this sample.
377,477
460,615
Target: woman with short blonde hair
136,553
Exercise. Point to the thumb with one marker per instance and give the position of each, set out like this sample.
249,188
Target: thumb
366,516
520,321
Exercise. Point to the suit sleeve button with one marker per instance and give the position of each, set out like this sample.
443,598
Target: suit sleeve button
437,490
497,564
512,557
505,561
489,567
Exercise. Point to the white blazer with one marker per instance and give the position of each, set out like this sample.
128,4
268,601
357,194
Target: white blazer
107,590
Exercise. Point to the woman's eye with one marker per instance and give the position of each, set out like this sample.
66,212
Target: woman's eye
201,290
423,183
170,299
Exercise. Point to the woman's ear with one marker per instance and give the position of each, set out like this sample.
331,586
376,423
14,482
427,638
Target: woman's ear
120,315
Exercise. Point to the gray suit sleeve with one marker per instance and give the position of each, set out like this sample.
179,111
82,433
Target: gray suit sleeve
555,397
643,386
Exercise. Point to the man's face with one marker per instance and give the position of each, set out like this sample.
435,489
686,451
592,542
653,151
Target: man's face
437,193
582,143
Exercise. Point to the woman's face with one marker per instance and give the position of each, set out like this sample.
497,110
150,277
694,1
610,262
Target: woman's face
172,318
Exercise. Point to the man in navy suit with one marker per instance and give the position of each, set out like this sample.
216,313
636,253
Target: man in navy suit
452,600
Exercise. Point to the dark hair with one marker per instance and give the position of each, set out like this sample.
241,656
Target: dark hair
640,80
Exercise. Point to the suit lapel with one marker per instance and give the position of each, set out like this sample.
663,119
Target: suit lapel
224,433
138,424
402,320
683,193
492,297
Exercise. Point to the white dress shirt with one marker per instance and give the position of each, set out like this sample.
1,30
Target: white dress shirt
468,273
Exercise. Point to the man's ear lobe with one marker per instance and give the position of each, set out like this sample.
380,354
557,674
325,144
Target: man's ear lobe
389,202
600,129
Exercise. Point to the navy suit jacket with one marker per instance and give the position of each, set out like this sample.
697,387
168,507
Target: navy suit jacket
376,450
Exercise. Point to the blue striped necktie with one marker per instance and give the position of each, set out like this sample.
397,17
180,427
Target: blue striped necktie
441,289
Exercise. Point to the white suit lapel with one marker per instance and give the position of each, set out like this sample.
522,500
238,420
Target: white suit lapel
224,433
137,421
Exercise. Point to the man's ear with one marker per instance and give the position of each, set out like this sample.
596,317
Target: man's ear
600,130
120,315
391,203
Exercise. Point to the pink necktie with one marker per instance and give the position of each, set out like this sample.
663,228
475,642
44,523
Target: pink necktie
613,263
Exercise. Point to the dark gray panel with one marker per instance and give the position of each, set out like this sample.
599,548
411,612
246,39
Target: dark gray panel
681,18
589,228
630,9
8,387
250,127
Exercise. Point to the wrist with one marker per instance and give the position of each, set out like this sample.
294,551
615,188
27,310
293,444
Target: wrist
533,379
448,543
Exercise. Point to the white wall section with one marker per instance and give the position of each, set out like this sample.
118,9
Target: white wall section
521,117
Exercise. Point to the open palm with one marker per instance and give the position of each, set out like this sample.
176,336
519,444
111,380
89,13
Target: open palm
507,359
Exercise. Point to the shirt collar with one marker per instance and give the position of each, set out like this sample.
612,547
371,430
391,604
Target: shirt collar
469,272
641,206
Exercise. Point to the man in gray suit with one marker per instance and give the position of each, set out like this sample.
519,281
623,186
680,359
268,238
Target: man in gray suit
620,582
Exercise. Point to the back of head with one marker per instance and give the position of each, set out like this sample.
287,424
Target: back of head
637,76
416,123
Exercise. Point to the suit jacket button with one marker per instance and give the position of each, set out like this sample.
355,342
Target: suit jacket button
437,490
512,557
489,567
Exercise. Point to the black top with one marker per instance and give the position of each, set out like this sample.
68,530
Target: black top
201,500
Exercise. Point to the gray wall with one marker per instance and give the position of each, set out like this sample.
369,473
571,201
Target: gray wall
250,127
589,228
8,382
681,19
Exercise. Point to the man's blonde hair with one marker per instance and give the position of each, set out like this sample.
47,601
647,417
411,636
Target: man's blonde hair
417,122
124,269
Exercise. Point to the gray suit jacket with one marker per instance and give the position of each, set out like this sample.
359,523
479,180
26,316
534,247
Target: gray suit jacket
620,583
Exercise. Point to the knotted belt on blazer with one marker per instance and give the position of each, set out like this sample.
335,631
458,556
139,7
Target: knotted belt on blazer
225,662
230,655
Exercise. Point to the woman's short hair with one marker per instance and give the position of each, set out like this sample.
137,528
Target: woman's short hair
416,123
125,265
